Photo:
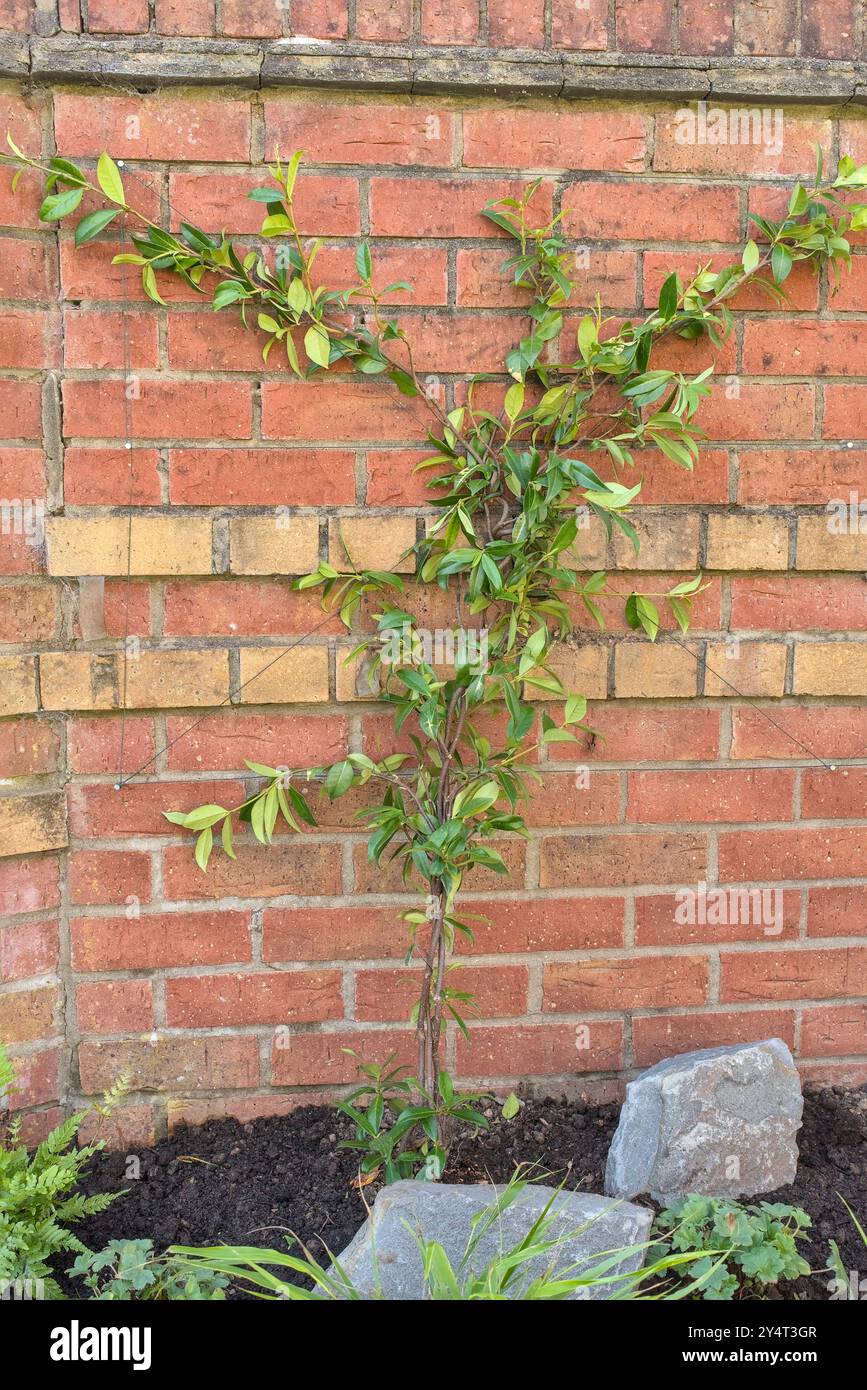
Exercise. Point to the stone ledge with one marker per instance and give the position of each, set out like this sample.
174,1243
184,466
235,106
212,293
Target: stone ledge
149,62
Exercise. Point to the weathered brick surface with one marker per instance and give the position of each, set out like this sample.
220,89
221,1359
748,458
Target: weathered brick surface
237,991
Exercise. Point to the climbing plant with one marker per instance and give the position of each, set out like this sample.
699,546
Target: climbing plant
514,470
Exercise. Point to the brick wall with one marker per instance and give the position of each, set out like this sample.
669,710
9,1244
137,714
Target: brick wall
814,28
237,990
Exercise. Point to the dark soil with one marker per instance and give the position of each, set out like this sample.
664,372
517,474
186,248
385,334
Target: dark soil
255,1184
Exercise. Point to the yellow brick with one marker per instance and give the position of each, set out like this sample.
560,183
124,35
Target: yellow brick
298,677
646,671
589,550
17,684
351,677
821,549
372,542
745,542
753,668
154,680
30,824
669,541
156,545
582,671
79,680
166,679
274,544
830,668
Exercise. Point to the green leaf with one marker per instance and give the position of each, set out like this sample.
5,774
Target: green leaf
204,845
91,225
750,258
363,263
109,179
58,205
339,779
317,345
511,1106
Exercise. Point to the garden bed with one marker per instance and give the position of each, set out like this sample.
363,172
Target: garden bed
255,1184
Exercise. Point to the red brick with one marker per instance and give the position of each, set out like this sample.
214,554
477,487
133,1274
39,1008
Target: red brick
252,19
37,1080
109,338
260,871
23,339
561,800
262,477
592,860
320,19
710,796
137,809
851,296
449,21
644,26
236,1001
640,982
165,940
583,26
657,211
391,481
180,17
540,1050
27,1015
24,473
769,29
390,995
117,16
705,26
662,1036
196,409
115,1006
311,1059
168,1064
29,748
163,125
249,607
760,158
515,138
17,15
28,949
205,342
764,976
28,885
798,605
325,205
20,410
840,733
512,24
129,1128
657,919
109,876
654,733
795,853
28,613
836,912
341,411
94,742
844,407
802,288
482,282
386,20
101,477
776,409
782,347
359,133
333,933
445,207
274,739
26,270
834,1032
833,795
422,267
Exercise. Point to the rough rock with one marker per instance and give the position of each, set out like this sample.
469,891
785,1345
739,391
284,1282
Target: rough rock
386,1251
721,1122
